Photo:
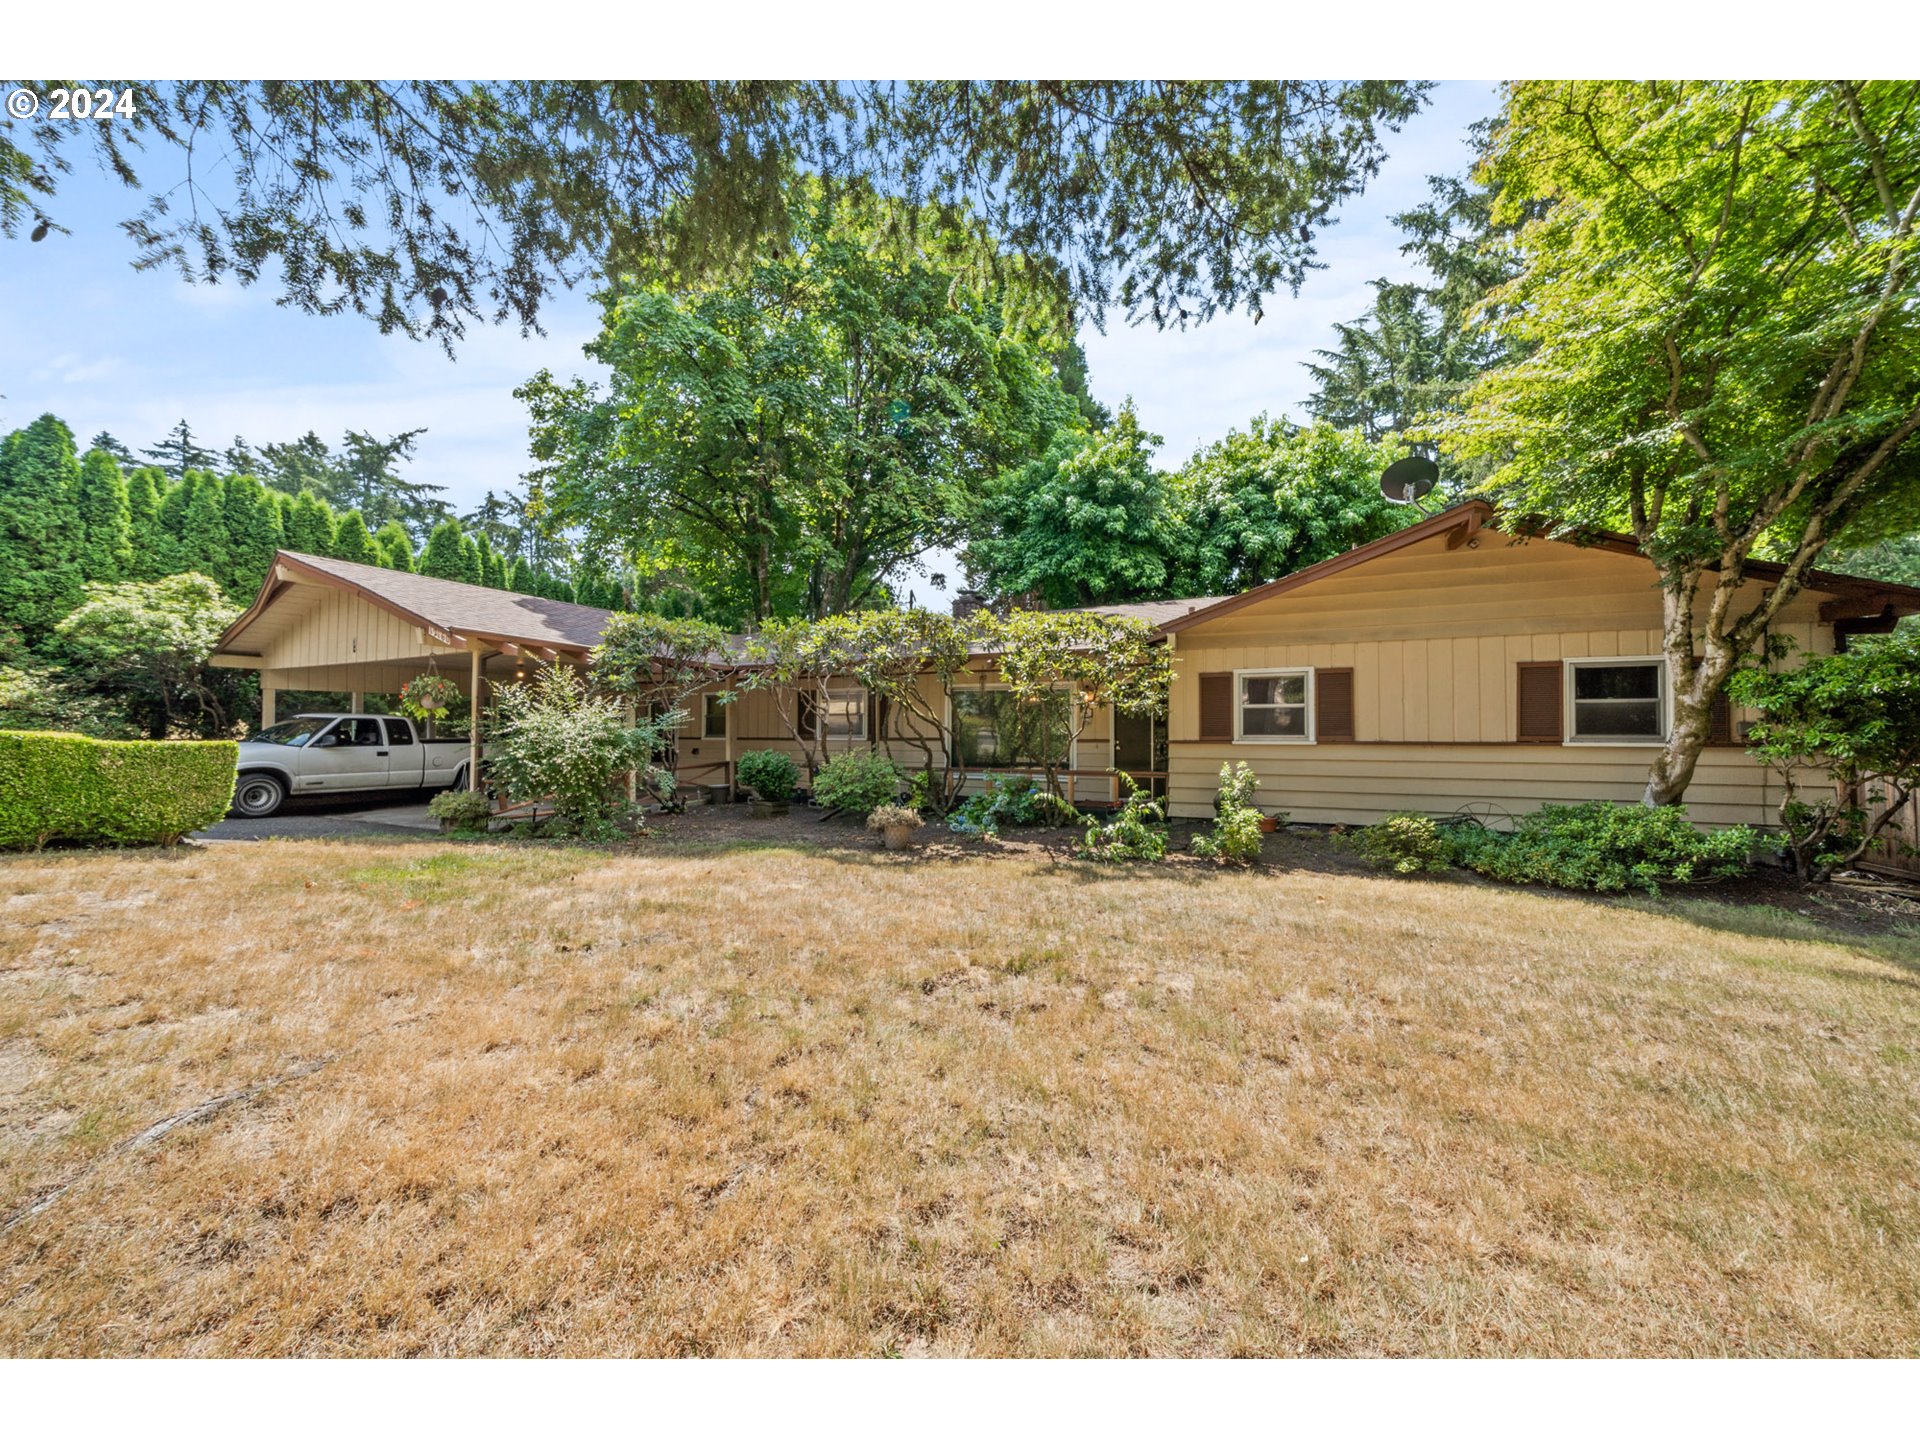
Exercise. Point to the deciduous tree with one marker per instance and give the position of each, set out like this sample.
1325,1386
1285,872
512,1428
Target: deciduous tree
1721,305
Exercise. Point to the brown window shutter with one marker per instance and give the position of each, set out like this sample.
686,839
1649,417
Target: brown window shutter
1216,707
1720,725
1540,691
879,712
805,710
1333,704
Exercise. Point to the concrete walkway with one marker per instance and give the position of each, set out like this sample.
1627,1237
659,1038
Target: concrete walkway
308,819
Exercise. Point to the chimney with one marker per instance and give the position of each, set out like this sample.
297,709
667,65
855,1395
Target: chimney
967,601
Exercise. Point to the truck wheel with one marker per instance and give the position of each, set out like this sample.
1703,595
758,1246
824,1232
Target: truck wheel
258,796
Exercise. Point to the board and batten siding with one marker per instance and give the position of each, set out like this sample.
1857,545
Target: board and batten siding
1434,639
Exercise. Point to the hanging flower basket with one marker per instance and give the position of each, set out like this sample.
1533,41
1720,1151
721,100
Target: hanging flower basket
428,697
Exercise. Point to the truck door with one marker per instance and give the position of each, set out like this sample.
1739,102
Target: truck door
350,755
403,763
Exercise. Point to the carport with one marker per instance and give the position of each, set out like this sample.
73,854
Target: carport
324,624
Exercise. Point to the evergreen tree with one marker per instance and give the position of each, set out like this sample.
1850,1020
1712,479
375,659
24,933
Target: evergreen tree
309,525
203,529
40,538
445,555
353,541
106,551
180,452
492,573
253,534
122,456
151,545
470,570
395,545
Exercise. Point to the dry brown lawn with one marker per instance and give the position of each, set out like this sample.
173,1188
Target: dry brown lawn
789,1101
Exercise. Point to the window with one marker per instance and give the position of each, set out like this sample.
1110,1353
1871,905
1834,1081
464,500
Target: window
833,715
1273,705
357,732
713,718
991,728
1617,701
399,732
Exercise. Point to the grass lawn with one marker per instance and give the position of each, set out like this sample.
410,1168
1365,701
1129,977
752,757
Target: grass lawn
487,1099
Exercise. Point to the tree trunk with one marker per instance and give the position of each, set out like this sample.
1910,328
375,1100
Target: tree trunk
1693,680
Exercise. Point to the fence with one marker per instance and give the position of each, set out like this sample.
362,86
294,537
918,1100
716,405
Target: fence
1903,831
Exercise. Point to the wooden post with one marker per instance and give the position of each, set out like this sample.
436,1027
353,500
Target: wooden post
728,710
473,724
633,776
269,695
358,701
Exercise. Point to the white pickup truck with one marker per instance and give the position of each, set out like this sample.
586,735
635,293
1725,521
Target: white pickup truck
334,753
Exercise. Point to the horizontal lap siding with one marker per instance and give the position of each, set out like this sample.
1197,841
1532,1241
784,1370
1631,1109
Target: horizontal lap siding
1434,639
1357,784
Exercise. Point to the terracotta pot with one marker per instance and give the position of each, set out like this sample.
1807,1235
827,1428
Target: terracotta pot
1268,824
897,837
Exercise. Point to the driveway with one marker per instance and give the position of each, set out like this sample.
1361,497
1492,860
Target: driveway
311,819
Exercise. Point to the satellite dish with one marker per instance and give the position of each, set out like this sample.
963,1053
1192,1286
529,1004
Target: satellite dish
1405,481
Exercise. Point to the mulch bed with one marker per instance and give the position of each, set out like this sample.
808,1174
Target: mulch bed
1298,848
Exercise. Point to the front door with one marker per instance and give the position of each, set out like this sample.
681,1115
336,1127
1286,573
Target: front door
1134,747
350,754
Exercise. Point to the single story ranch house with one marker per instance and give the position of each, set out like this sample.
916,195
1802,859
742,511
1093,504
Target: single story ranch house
1449,665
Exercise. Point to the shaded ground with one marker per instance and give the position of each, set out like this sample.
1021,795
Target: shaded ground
315,819
708,1094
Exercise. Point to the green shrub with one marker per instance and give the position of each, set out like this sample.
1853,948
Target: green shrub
769,774
1236,823
463,809
1599,846
857,782
1010,800
110,792
554,740
1137,832
1405,842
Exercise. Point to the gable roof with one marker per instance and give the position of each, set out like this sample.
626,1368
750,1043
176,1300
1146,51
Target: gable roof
1156,613
1857,597
458,612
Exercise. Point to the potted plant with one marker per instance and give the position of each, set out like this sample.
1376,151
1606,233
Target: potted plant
427,697
461,809
896,824
772,777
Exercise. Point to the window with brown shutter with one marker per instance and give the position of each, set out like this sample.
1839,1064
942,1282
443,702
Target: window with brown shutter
1720,724
1216,707
1333,704
1539,707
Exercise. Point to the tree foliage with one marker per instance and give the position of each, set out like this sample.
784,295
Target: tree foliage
427,205
1719,314
40,534
790,441
1843,733
1418,347
1088,522
143,646
1275,498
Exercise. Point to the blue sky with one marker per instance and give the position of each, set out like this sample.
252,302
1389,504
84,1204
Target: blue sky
106,347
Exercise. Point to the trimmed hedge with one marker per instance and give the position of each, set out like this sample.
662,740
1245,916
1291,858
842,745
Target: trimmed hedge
110,792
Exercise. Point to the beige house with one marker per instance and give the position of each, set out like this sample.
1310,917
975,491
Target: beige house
1451,666
1448,666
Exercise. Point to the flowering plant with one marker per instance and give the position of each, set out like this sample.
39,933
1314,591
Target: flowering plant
428,697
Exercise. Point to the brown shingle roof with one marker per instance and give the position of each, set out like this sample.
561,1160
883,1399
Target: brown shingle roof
452,606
